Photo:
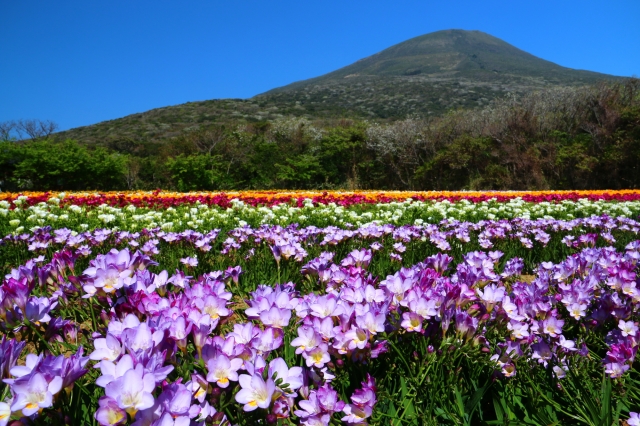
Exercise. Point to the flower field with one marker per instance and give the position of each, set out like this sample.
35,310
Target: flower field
506,308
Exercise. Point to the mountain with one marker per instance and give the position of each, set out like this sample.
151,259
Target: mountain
426,75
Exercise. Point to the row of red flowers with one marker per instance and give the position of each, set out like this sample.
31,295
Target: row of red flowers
160,199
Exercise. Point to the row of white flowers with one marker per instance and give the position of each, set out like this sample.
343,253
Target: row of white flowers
200,216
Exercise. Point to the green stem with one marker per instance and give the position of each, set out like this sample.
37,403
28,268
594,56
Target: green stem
93,315
41,337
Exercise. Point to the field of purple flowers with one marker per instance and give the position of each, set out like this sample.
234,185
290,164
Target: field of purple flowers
506,322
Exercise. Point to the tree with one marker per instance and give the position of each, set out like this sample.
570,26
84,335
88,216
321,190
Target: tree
34,129
6,130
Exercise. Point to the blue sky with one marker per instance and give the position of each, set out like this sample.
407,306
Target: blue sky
85,61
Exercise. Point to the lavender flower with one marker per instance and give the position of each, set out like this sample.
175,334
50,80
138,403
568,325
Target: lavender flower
255,392
33,393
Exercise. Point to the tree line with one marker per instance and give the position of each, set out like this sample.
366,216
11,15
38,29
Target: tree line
561,138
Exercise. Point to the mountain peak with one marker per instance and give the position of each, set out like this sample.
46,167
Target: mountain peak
427,75
455,53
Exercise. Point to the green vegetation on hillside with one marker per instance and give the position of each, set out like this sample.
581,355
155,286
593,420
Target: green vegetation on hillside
560,138
426,76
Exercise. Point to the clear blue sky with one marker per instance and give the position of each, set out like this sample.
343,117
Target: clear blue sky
85,61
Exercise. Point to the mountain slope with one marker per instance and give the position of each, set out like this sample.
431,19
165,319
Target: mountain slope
426,75
454,53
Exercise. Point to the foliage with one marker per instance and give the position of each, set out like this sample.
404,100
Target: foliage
245,298
563,138
64,165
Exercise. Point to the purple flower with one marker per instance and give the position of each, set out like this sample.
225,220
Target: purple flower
423,307
412,322
268,340
577,310
255,392
213,306
5,413
317,356
552,326
34,392
176,400
362,404
328,399
307,339
222,370
287,379
518,329
491,295
133,390
360,258
37,310
109,413
107,349
190,261
233,273
111,371
168,420
275,317
615,369
317,420
374,323
10,351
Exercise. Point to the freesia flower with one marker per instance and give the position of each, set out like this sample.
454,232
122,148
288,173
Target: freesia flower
411,322
189,261
317,356
355,414
629,328
109,413
307,339
132,391
107,349
518,329
255,392
34,392
5,413
222,370
577,310
288,379
276,317
552,326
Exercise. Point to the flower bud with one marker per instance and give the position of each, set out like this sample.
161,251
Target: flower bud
218,418
272,419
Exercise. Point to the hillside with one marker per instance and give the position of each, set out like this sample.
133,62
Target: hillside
423,76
